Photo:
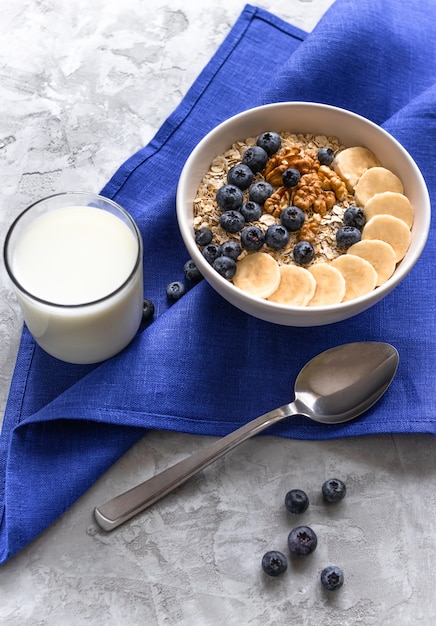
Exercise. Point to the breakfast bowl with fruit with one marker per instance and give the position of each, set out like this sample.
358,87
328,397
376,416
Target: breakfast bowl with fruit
302,214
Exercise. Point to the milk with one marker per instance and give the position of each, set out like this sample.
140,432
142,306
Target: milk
78,276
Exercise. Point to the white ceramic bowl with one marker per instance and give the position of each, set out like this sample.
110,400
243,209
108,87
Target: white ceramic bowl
303,117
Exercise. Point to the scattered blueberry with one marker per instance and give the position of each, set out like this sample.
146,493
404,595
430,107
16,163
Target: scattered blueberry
260,191
255,157
240,175
252,238
231,249
175,290
292,218
229,197
203,236
302,541
225,266
276,236
303,252
296,501
211,252
354,216
326,156
346,236
270,142
251,211
192,272
274,563
291,177
332,577
333,490
147,310
232,221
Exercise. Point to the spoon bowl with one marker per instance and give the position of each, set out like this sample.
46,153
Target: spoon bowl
334,387
344,382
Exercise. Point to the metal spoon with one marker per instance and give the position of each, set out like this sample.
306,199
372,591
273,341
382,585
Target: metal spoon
334,387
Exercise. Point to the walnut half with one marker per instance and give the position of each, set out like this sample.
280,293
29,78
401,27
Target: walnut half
278,201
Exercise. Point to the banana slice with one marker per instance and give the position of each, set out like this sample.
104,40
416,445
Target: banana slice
390,229
258,274
360,276
376,180
390,203
351,163
297,286
380,254
330,284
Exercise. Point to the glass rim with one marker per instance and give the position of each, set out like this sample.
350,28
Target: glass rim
89,303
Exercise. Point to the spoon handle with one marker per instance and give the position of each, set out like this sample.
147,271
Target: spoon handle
125,506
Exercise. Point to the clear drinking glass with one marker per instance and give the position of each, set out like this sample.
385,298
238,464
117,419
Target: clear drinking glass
75,260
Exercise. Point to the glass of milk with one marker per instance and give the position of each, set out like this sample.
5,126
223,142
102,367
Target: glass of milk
75,260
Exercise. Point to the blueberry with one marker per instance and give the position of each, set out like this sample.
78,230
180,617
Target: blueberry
346,236
240,175
203,236
270,142
333,490
175,290
251,211
326,156
354,216
302,541
303,252
292,218
296,501
192,272
211,252
255,157
276,236
225,266
332,577
232,221
260,191
274,563
291,177
252,238
147,310
231,249
229,197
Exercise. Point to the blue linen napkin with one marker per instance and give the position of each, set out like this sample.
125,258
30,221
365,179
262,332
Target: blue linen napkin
202,366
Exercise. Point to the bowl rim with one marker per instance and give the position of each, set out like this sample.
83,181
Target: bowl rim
371,297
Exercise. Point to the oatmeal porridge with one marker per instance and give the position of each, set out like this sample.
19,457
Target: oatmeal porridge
333,219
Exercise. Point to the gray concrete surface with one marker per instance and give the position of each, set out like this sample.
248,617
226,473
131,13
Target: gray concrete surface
82,86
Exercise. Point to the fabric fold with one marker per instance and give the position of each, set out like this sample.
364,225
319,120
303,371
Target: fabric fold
202,366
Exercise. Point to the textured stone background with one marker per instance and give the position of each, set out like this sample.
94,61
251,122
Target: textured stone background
83,85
